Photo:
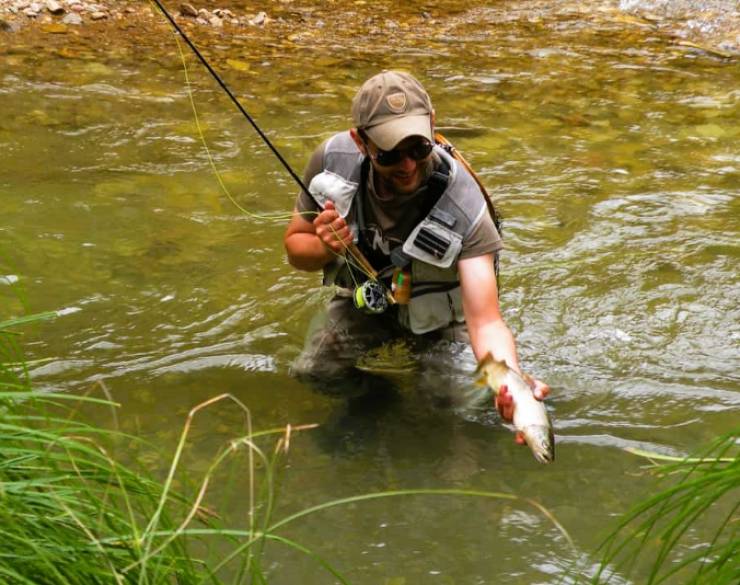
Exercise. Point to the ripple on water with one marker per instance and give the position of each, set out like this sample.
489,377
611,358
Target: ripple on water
662,207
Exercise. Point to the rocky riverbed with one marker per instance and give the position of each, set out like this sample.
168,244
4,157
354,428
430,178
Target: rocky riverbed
17,14
712,26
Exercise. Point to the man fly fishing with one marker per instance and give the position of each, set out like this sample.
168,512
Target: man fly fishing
388,191
404,232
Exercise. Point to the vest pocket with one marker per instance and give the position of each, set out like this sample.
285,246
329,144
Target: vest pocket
433,243
435,310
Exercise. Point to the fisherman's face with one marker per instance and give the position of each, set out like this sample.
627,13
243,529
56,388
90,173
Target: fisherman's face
410,164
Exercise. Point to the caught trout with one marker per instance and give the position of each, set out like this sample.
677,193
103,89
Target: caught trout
530,416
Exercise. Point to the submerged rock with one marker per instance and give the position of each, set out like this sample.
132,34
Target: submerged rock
72,18
54,7
260,19
188,10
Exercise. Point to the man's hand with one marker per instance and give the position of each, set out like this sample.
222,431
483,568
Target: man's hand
332,230
505,402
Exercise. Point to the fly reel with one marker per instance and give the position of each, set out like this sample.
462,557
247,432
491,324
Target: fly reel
371,296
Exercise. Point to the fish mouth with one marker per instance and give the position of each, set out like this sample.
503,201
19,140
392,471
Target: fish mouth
541,441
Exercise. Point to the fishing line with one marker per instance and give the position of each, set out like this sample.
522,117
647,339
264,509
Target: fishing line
352,255
271,217
237,103
211,161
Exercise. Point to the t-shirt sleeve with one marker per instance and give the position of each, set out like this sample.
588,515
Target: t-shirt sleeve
483,239
315,165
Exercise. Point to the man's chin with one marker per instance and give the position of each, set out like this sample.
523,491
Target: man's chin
405,186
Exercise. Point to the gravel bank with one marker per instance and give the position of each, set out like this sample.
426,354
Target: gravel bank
712,26
18,14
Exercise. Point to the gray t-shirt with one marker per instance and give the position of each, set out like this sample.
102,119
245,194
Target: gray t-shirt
389,221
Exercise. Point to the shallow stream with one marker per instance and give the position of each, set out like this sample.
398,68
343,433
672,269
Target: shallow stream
611,152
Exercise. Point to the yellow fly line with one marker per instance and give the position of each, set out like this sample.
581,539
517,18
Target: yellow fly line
352,254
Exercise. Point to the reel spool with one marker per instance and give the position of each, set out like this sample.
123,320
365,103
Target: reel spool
371,297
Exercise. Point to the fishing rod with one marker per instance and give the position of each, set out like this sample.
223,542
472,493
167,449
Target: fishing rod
234,99
351,248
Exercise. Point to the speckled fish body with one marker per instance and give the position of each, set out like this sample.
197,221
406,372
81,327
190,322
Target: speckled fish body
530,415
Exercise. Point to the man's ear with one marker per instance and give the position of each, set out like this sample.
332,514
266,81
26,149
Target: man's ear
358,141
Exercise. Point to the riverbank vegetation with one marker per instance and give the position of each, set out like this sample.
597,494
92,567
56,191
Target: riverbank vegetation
698,489
70,512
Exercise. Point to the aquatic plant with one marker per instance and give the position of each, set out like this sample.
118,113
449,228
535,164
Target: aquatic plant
707,489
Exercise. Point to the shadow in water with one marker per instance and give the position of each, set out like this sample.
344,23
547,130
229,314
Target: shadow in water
355,423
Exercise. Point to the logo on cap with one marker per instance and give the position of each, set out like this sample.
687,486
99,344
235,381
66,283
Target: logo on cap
397,102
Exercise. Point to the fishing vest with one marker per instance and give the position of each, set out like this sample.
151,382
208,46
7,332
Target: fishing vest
433,246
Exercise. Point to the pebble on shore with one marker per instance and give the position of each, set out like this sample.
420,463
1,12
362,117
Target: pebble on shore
713,30
15,14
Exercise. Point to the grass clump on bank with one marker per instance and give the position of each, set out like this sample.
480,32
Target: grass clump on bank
64,502
707,491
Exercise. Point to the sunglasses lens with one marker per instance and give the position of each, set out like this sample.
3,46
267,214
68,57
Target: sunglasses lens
387,158
417,152
421,150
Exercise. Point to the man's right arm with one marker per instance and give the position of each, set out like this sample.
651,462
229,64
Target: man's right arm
305,249
311,245
315,236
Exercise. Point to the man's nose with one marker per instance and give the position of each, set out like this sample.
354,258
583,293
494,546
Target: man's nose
407,163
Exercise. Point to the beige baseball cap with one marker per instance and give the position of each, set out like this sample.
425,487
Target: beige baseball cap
391,106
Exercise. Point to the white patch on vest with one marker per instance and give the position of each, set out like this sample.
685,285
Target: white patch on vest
396,102
328,186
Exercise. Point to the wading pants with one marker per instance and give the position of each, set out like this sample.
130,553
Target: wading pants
343,334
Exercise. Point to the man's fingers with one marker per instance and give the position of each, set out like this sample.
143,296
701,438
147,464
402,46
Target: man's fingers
505,403
509,411
332,229
326,218
541,390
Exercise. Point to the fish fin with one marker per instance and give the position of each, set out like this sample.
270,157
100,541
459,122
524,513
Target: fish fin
485,360
481,381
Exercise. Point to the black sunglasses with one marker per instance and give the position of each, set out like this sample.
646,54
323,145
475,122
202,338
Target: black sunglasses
418,151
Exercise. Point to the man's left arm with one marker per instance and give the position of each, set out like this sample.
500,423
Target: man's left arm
487,329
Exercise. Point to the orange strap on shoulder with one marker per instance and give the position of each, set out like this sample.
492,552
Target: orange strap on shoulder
459,158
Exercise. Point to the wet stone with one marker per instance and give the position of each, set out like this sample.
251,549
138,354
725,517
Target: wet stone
72,18
259,19
54,7
188,10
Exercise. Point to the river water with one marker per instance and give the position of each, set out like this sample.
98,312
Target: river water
611,152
